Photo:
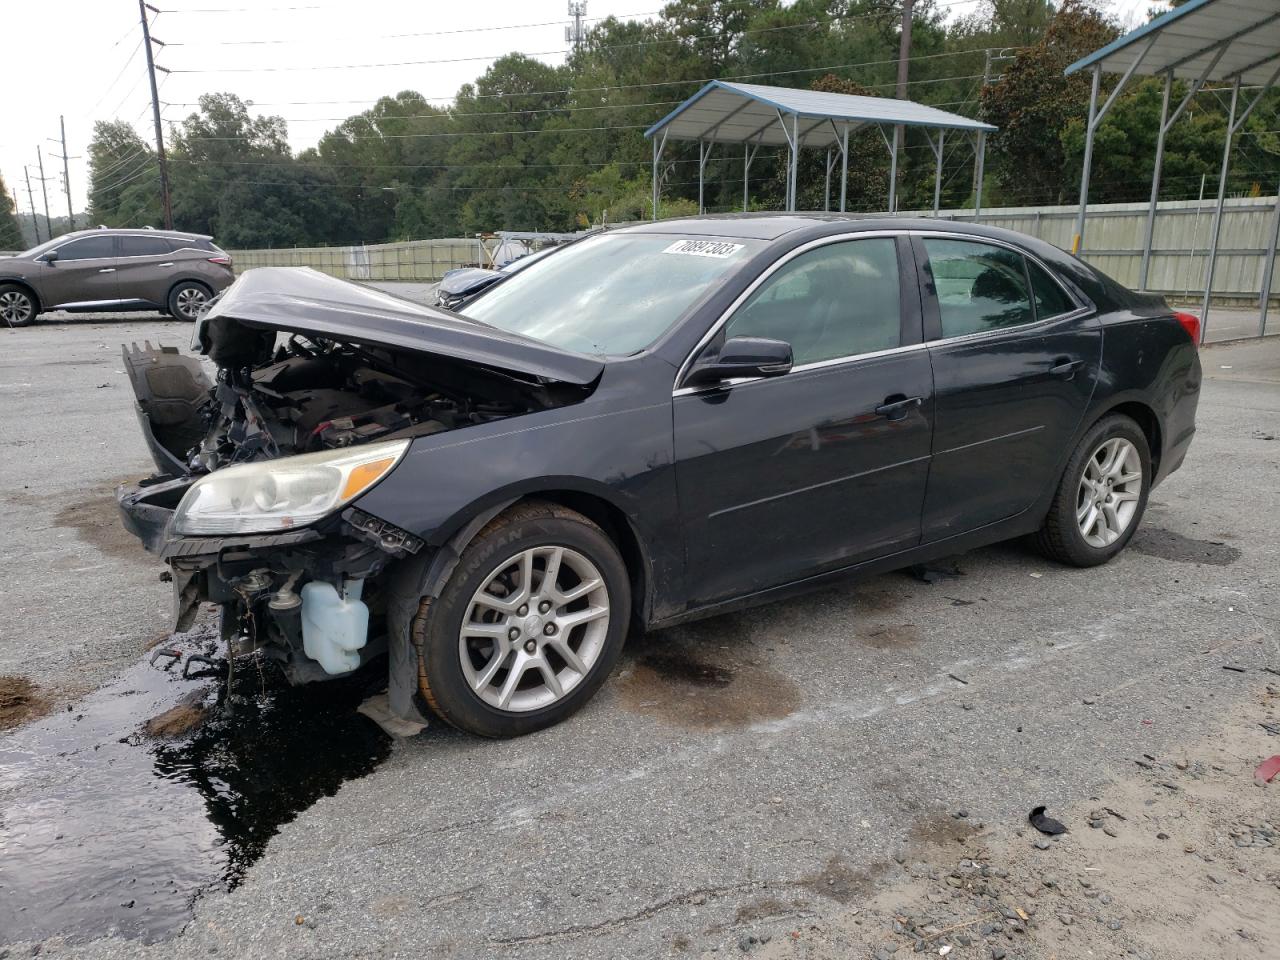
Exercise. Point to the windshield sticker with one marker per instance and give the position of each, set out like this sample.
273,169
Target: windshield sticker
705,248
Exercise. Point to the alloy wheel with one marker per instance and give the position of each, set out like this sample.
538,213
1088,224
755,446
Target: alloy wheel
190,301
534,629
15,307
1110,487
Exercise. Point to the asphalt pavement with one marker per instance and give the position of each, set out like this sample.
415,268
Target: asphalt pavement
779,755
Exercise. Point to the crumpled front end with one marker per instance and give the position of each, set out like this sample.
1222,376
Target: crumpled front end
262,460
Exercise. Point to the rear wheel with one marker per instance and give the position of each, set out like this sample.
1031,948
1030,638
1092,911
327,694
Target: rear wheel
1102,496
528,626
17,305
188,299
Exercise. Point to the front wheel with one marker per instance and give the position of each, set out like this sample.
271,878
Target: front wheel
1102,495
187,300
528,626
17,306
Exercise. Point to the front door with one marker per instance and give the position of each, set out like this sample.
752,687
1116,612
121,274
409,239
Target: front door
84,273
790,476
1015,360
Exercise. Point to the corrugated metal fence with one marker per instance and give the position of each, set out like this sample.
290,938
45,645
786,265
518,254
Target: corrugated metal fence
412,260
1114,243
1179,247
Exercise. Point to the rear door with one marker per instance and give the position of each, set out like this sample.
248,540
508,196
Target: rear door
794,475
145,268
84,273
1015,361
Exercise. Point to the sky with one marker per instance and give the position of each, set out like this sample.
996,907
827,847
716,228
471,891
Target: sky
82,59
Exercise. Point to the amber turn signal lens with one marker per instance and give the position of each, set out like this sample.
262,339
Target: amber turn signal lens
365,476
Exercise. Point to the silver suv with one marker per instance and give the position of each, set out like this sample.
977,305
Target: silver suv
111,270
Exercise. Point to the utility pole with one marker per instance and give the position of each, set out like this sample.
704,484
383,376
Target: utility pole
575,34
155,112
66,173
904,62
978,172
44,190
31,202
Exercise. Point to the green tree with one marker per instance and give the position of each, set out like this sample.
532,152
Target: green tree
10,234
1033,103
124,180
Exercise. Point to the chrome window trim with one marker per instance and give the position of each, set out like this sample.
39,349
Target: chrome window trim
755,284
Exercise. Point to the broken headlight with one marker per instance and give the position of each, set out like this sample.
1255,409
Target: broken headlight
274,495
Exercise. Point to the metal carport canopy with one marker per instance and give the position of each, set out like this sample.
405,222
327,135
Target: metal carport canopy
1185,40
754,115
724,112
1201,41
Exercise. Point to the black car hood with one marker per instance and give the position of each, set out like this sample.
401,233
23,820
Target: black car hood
240,326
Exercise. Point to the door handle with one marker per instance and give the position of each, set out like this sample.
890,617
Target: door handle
1065,368
107,270
169,264
896,407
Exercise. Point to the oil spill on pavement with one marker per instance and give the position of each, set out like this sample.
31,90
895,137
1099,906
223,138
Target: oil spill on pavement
104,829
1167,545
679,687
96,520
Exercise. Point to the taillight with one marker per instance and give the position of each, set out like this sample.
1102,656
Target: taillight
221,261
1190,323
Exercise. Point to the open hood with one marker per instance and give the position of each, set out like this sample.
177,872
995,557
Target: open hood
240,326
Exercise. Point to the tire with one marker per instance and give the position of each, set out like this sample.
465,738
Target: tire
18,306
187,299
1083,533
467,677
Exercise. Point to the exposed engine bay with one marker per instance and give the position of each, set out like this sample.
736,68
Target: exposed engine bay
318,395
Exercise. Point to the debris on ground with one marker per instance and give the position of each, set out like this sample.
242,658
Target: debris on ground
1045,824
1267,769
378,709
20,701
180,719
1172,831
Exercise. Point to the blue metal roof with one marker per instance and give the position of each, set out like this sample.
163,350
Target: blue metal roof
1187,39
727,112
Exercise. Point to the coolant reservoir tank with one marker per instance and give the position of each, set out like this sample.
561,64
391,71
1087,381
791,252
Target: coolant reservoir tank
334,625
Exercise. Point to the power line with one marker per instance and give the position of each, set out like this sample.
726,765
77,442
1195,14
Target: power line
808,24
428,33
632,86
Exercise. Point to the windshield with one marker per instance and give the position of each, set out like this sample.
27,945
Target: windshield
611,294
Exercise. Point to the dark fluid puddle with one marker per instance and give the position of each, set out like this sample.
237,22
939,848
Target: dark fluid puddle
106,831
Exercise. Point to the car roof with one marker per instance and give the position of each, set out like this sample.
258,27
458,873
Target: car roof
133,231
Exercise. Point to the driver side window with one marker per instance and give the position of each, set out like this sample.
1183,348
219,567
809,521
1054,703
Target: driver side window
838,300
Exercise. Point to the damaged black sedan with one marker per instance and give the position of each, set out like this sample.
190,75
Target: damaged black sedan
659,423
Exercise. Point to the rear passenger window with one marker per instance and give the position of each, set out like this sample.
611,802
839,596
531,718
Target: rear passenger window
144,247
980,287
839,300
1051,299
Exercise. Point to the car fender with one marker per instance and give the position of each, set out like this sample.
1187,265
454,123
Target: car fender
22,281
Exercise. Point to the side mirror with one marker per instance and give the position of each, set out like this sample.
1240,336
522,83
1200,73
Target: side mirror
51,256
742,357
